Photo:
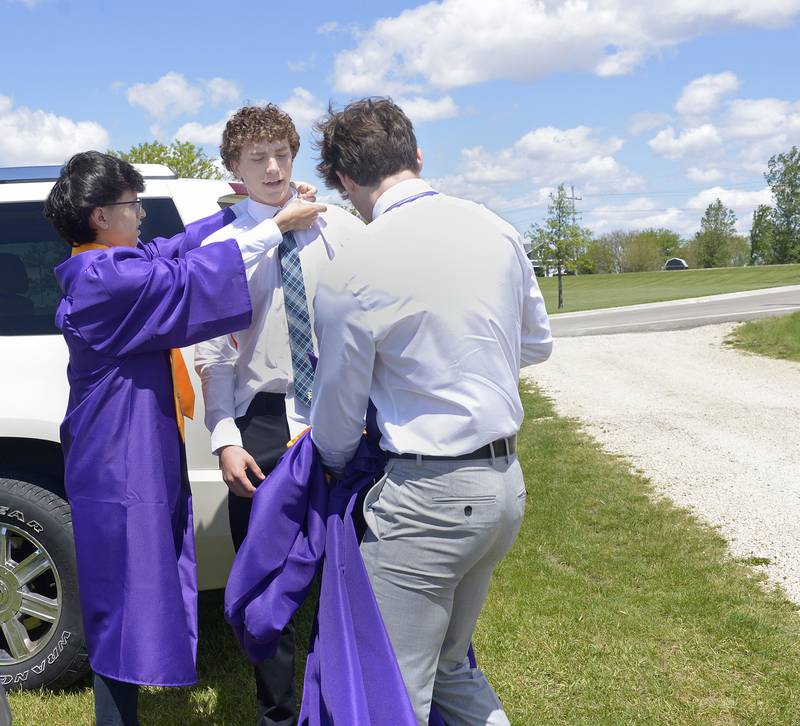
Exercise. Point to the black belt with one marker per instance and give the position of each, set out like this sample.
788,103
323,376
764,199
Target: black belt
500,447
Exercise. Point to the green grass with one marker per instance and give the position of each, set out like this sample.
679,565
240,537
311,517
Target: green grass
614,607
589,292
774,337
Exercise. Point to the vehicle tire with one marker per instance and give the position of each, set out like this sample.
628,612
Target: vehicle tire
41,631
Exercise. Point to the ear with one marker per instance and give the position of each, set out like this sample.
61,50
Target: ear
235,169
420,160
98,220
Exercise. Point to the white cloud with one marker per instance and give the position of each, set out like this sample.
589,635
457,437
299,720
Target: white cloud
704,94
735,139
520,177
203,135
40,137
638,213
172,95
456,43
639,123
742,202
690,141
420,109
762,118
327,28
221,90
704,175
303,107
301,65
490,196
644,212
547,156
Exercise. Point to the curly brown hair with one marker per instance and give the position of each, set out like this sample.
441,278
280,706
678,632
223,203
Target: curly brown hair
256,123
369,140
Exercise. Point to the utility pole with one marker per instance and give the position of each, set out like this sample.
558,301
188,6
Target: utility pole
574,199
559,262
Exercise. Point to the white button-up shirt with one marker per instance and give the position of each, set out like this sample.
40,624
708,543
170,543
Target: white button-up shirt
234,368
430,312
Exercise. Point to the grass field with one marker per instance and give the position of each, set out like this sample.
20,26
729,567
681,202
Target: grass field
613,608
775,337
588,292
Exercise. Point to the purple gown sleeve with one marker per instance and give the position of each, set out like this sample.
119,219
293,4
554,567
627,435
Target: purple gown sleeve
127,302
190,238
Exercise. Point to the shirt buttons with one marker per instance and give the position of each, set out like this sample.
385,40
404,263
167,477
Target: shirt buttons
468,510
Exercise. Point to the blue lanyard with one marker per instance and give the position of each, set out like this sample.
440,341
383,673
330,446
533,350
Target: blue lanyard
429,193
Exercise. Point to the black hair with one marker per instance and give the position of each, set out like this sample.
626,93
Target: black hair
88,180
369,140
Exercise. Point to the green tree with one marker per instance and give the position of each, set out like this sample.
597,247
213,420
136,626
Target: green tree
560,240
184,159
762,236
667,241
604,254
783,177
738,251
641,252
715,238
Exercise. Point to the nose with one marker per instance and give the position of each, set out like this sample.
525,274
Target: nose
142,213
272,166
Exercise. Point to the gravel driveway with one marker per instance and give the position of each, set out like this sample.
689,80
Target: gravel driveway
716,430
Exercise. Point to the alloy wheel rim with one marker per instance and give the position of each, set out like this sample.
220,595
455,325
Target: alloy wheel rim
30,595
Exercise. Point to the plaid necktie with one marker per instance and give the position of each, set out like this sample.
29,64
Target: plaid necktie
297,318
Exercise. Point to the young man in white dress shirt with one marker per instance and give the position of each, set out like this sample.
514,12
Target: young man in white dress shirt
431,312
257,382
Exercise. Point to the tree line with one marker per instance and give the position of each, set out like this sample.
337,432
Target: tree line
563,245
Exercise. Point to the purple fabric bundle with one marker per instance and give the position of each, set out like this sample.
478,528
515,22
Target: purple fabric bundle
298,522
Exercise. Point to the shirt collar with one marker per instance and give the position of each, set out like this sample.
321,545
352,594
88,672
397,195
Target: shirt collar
259,212
397,193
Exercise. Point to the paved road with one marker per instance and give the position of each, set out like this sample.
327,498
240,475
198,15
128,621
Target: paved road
679,314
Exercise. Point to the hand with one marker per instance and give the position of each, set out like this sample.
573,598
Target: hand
298,215
234,462
307,192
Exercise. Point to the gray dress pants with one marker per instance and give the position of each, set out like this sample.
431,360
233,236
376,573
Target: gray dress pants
436,531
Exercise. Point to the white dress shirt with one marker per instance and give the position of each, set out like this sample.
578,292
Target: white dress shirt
430,312
234,368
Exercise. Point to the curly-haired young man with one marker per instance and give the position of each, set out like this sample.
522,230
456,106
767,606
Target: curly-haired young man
257,382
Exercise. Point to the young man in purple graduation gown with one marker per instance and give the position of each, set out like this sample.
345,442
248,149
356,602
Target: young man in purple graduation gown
430,314
126,307
257,381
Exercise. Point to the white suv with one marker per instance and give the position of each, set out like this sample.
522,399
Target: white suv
41,637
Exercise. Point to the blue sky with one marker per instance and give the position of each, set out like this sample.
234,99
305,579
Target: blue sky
651,110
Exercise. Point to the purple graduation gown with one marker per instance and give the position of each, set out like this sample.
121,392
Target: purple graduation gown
125,465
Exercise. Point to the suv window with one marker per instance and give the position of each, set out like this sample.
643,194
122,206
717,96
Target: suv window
30,249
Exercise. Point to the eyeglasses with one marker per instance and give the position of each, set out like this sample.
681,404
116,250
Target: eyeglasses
138,202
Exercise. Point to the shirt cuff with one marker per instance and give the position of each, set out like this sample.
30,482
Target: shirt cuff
256,241
334,461
225,433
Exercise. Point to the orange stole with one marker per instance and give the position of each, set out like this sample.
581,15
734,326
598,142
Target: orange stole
181,384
